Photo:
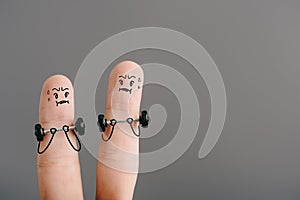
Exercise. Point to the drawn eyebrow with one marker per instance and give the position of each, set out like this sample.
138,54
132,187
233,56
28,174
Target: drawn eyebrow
129,77
122,76
56,89
62,89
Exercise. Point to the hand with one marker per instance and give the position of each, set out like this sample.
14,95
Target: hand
59,168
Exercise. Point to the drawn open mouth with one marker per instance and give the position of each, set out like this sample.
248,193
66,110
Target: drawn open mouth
125,90
62,102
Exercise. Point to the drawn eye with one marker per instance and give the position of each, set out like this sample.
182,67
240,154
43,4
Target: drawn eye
131,83
121,82
67,94
55,95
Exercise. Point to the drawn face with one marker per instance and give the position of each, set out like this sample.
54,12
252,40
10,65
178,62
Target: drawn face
127,83
125,91
60,95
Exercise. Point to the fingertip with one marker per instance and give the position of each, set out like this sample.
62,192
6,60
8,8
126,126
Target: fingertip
56,79
126,67
126,70
56,99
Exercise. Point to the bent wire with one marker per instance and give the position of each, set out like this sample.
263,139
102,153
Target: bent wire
79,127
103,123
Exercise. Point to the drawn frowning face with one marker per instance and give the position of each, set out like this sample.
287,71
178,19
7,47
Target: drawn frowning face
60,94
127,83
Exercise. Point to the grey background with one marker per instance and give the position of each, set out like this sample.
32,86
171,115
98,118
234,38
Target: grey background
254,43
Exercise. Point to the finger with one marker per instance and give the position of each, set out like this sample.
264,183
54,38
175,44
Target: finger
58,167
118,158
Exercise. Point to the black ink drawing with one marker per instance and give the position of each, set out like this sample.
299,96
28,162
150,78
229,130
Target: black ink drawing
59,92
143,121
127,83
79,128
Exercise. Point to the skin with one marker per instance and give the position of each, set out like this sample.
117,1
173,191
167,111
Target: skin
120,105
59,169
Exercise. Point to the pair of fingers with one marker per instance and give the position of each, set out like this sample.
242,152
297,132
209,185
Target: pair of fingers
59,168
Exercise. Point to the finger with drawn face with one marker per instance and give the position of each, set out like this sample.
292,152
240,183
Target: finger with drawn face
58,167
118,158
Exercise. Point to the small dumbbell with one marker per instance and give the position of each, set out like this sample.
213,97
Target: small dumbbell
79,127
103,123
